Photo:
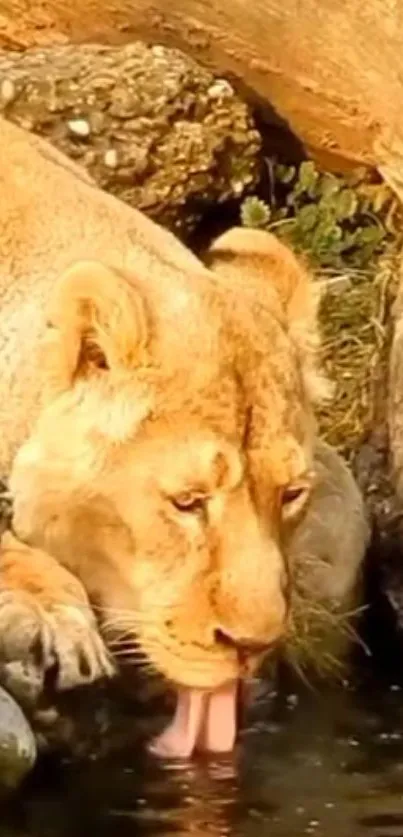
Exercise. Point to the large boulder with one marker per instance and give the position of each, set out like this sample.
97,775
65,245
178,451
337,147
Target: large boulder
148,123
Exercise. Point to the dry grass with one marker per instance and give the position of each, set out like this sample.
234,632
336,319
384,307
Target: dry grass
355,328
356,322
319,637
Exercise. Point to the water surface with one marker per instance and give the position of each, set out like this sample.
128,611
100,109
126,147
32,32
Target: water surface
321,764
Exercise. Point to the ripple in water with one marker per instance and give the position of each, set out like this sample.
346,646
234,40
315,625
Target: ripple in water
324,765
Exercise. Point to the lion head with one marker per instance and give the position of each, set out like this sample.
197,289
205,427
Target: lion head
172,448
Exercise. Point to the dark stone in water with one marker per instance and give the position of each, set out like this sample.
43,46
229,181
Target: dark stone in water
17,744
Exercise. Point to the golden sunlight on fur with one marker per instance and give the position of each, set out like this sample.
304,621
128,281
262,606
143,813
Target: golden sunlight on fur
325,548
159,420
284,284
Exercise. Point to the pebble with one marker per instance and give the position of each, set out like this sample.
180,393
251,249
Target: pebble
7,91
17,744
111,158
79,127
219,89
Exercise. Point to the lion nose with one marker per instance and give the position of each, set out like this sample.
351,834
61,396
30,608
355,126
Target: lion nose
243,645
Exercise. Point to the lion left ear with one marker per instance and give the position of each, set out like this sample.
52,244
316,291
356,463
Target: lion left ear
97,319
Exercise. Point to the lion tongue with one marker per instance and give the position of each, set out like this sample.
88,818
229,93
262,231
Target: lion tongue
218,730
179,738
203,720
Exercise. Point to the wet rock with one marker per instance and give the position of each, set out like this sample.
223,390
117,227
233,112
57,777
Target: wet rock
17,744
148,123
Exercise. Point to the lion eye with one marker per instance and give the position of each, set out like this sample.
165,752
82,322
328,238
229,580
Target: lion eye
293,499
293,493
189,504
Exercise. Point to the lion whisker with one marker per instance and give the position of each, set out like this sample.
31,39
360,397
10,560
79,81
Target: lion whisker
130,653
127,611
124,643
123,622
123,627
108,609
118,646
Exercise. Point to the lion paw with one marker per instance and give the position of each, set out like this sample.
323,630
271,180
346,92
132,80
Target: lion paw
47,628
35,642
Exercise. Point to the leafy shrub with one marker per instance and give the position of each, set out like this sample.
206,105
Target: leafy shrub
337,220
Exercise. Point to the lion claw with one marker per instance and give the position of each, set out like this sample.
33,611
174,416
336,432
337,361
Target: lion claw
36,640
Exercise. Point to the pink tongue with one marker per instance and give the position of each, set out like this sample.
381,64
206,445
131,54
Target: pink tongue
203,720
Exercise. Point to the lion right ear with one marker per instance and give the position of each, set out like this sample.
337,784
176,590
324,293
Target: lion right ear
97,319
243,252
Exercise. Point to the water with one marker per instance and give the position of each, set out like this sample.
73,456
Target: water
319,764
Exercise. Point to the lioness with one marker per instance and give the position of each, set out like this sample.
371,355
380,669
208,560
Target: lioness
157,421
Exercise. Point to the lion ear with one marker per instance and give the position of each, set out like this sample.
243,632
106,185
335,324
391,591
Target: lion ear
97,319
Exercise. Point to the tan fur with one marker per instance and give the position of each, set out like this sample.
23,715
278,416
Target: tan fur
135,383
284,284
325,550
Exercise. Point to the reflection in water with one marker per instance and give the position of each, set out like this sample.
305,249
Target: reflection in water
329,765
206,795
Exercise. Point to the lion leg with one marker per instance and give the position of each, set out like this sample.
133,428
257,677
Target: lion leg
47,627
326,554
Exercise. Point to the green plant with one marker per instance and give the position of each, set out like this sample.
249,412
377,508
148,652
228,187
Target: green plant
255,213
337,220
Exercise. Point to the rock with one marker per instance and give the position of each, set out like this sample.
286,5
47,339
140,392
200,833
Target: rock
17,744
148,124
